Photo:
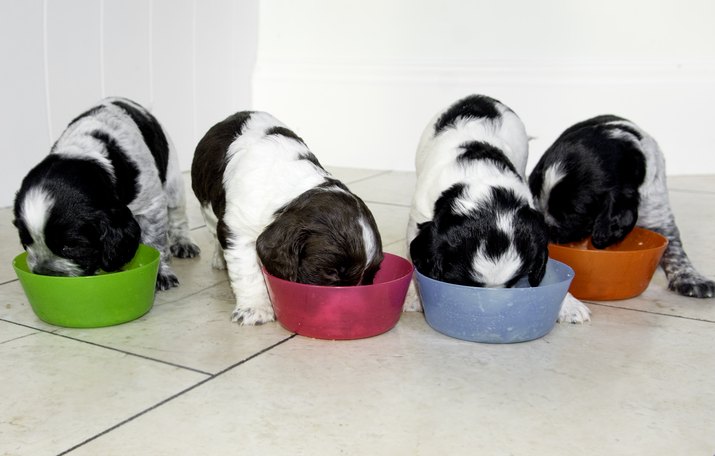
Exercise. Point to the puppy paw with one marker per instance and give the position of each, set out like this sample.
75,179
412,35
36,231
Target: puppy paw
218,261
573,311
692,285
166,280
185,249
252,316
412,300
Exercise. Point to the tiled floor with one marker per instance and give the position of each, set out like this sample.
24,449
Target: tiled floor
638,380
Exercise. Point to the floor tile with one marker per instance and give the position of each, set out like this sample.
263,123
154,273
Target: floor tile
58,392
14,307
350,175
10,331
195,332
9,245
395,187
391,221
704,183
195,274
612,387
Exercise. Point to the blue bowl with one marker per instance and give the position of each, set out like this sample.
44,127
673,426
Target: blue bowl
496,315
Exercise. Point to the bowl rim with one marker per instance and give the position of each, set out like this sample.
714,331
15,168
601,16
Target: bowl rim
570,276
348,287
23,255
661,245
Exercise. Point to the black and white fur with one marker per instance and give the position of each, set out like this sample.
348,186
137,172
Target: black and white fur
472,220
267,200
110,181
601,178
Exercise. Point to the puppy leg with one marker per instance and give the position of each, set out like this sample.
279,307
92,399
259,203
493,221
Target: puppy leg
656,214
573,311
180,242
253,306
412,300
682,276
218,261
154,233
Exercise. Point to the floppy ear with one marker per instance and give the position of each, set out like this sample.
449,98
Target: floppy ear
538,267
616,219
119,236
279,248
422,252
533,239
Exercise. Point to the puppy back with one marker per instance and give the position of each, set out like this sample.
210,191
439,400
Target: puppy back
210,159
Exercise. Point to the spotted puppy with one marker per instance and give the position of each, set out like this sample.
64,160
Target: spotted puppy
472,220
601,178
267,200
110,181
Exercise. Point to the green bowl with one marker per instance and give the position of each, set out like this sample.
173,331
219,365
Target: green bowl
92,301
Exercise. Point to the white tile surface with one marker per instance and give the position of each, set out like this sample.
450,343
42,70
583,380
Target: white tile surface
10,331
58,392
636,380
613,387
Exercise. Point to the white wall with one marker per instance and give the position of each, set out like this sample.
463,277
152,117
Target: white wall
189,61
359,80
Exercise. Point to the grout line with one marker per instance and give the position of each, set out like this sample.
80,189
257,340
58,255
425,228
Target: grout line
18,337
651,312
181,298
197,227
8,281
148,358
379,173
180,393
387,204
699,192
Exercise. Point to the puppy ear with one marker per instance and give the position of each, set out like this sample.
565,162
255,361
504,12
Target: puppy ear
616,219
538,266
533,242
279,247
422,252
119,236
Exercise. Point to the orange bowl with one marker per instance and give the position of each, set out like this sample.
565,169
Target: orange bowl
620,271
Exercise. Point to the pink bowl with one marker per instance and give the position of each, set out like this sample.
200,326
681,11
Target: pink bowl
343,312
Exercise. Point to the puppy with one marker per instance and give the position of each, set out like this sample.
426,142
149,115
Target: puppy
601,178
110,181
267,200
472,220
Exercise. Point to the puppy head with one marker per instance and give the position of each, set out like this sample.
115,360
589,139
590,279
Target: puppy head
578,202
67,232
326,236
493,244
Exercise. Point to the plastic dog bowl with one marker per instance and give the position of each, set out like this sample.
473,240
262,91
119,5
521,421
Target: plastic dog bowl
496,315
620,271
343,312
92,301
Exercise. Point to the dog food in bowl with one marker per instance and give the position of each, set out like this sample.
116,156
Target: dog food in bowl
496,315
325,312
620,271
92,301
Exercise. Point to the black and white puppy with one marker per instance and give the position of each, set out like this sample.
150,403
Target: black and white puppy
110,181
472,220
601,178
267,200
